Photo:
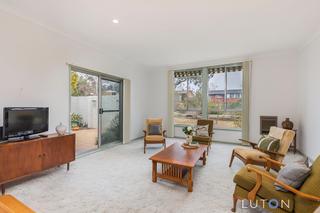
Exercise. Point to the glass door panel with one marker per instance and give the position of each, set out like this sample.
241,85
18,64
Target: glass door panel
84,110
111,111
110,127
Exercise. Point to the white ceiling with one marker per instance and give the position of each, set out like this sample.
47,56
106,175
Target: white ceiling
170,32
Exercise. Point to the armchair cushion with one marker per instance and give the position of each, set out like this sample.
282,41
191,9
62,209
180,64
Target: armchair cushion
268,143
251,154
154,138
310,186
247,181
201,139
293,174
154,129
276,132
202,130
206,122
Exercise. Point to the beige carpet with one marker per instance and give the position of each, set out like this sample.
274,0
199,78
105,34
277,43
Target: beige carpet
118,179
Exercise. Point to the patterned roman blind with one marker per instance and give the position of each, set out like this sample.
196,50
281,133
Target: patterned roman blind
224,68
188,73
211,70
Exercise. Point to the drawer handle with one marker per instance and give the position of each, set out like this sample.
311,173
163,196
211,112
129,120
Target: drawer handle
39,156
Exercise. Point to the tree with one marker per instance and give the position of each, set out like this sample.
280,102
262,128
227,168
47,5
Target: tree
83,84
74,84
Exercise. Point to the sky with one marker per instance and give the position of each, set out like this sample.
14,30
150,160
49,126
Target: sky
217,82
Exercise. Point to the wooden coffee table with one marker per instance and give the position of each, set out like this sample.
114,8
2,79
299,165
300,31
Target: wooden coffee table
177,164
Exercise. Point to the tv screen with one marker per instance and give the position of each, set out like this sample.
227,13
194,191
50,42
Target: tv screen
24,121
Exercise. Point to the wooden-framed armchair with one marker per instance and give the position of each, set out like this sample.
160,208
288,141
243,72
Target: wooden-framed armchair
154,134
253,155
205,139
257,185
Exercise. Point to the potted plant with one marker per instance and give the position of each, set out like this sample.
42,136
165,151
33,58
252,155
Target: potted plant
188,130
76,121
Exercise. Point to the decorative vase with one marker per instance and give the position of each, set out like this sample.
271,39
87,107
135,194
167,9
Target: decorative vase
287,124
61,129
189,139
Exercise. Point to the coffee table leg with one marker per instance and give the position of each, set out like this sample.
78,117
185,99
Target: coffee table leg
154,171
190,180
204,158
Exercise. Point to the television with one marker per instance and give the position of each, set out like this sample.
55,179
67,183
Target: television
24,121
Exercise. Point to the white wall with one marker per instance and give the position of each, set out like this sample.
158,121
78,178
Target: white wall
87,107
273,89
33,70
309,78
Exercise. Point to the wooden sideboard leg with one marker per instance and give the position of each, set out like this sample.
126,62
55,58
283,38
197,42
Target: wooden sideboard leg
68,166
190,180
154,171
3,189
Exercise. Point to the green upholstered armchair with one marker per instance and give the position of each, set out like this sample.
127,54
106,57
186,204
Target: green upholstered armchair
257,185
204,139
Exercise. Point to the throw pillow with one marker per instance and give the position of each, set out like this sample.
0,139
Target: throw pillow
202,130
154,129
268,143
293,174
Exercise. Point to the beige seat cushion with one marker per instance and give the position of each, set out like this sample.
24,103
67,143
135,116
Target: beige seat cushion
252,154
201,139
152,138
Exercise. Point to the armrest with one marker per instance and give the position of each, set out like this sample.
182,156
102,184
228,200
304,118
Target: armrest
274,153
260,174
164,133
145,133
249,142
271,162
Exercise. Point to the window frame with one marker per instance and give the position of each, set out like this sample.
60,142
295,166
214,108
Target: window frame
187,97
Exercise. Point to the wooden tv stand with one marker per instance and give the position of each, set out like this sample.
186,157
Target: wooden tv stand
24,158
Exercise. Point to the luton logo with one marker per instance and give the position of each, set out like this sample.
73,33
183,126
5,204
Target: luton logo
271,204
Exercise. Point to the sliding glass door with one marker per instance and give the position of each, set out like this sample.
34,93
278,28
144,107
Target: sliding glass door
84,110
95,109
111,111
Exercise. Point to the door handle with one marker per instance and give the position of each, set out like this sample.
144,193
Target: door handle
100,110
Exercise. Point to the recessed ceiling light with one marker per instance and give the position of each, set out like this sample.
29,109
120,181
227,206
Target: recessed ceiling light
115,21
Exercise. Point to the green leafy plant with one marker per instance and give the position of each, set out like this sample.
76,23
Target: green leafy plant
76,120
187,130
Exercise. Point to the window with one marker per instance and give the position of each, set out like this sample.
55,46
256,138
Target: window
187,98
225,99
223,96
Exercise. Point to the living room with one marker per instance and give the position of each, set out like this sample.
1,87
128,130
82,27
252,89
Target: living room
100,73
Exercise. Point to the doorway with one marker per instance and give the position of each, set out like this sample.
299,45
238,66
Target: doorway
95,109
